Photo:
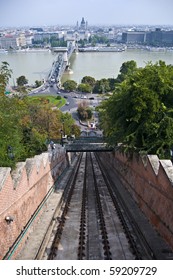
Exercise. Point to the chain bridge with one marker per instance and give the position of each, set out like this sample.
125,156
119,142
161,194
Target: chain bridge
61,63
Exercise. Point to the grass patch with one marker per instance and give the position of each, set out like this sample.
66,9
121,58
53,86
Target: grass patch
53,101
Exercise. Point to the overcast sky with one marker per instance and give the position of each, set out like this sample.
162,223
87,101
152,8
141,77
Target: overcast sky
102,12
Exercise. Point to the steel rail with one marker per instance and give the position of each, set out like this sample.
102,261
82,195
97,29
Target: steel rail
139,244
62,220
105,241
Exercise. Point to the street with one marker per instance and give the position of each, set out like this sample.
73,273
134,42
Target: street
72,101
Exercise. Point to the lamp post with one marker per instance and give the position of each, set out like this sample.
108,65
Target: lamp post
63,128
10,152
171,154
61,131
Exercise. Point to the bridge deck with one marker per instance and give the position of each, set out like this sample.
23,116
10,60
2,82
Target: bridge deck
87,148
88,144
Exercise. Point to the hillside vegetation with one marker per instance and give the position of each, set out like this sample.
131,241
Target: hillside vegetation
139,114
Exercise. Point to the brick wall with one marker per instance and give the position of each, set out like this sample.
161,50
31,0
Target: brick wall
150,183
22,190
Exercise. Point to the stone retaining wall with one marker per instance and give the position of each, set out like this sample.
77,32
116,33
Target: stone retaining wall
22,191
150,183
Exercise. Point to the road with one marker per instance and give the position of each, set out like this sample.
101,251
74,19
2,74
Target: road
72,100
72,97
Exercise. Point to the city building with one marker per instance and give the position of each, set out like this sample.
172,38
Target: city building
83,25
134,37
160,37
157,37
21,40
8,42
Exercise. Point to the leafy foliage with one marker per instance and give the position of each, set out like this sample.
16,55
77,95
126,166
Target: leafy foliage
140,113
70,85
88,80
26,126
84,88
89,84
21,81
101,86
38,83
84,112
5,75
127,68
98,39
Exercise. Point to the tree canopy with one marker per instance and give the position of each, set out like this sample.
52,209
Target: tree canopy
5,75
70,85
139,114
101,86
21,81
84,112
88,80
26,127
84,88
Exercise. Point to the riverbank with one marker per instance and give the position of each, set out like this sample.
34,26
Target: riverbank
36,65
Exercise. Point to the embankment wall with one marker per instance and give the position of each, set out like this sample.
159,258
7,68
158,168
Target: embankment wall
22,190
150,182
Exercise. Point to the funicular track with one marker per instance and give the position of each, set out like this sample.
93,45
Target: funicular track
94,222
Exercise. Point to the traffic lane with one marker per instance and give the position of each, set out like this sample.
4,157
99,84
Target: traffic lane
46,89
74,102
68,107
73,98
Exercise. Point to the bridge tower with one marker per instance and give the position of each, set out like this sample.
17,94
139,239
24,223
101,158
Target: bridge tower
71,46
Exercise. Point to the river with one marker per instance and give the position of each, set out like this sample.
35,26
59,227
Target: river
36,65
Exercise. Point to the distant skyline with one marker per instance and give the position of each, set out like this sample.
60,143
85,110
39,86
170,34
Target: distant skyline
18,13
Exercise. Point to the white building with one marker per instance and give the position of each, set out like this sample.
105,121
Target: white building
8,42
21,40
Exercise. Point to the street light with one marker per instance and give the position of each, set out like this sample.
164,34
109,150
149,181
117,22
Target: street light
171,153
63,128
10,152
61,131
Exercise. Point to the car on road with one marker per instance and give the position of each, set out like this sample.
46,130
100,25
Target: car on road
67,103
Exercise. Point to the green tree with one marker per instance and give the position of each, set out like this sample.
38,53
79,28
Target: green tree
69,125
11,112
139,114
25,127
101,86
5,75
112,83
98,39
38,83
84,112
21,81
84,88
88,80
70,85
127,68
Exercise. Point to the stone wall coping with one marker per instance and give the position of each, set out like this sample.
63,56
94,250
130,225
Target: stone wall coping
36,163
4,173
154,161
158,166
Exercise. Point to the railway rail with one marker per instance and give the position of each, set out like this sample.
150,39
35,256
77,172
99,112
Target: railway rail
94,222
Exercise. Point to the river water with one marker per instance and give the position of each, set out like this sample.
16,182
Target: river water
36,65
